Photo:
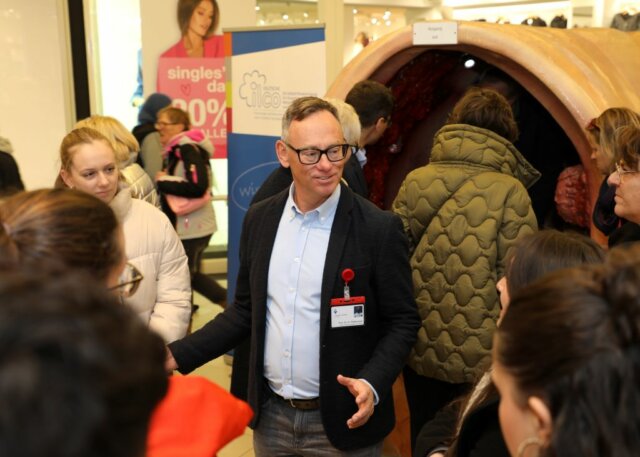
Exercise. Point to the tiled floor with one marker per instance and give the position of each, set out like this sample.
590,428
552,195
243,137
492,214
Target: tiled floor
220,373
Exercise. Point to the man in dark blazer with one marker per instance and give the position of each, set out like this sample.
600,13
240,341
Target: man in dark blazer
324,290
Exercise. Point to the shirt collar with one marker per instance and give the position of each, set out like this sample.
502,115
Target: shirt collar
326,211
361,155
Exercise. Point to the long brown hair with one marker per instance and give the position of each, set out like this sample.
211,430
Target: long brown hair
531,258
59,228
573,340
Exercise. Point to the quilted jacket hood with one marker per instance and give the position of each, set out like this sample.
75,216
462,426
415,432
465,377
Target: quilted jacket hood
484,148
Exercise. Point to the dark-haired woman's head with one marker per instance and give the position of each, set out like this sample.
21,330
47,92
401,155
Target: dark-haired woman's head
61,228
540,253
81,374
567,362
487,109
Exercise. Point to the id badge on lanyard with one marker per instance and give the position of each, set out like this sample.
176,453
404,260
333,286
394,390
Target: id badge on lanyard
347,311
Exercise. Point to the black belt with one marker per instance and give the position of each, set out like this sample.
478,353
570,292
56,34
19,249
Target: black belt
305,405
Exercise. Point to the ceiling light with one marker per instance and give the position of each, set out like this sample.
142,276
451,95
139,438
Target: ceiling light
285,16
469,63
305,14
355,11
374,20
257,7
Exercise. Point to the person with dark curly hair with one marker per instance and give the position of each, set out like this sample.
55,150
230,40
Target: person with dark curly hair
81,374
469,426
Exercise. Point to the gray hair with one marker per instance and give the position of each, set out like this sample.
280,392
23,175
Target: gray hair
348,119
303,107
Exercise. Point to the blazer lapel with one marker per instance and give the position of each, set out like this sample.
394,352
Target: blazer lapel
335,250
264,247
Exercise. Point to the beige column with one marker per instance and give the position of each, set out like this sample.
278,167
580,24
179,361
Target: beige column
237,13
332,14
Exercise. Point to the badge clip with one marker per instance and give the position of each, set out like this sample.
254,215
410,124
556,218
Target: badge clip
347,276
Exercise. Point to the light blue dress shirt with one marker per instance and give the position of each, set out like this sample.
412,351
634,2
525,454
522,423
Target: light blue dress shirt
292,342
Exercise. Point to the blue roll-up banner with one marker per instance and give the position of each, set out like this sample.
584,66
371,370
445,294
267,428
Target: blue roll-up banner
267,68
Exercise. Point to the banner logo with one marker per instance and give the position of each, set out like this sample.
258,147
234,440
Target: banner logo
257,94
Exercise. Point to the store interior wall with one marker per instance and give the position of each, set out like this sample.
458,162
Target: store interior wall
113,53
35,92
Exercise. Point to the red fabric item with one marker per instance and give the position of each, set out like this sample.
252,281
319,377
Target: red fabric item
197,418
571,196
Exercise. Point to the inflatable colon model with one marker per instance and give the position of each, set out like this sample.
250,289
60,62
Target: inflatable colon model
556,80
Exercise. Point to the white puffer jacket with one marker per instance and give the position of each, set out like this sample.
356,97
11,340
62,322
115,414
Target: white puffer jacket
140,184
163,299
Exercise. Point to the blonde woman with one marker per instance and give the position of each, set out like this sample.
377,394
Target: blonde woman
163,301
126,148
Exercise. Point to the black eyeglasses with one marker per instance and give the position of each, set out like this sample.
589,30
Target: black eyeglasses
310,156
128,282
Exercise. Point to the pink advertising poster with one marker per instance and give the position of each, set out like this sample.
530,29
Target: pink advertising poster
197,86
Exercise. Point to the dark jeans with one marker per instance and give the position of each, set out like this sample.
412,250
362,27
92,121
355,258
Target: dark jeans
200,282
426,396
286,431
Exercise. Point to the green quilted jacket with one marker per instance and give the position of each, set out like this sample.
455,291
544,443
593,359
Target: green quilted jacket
461,213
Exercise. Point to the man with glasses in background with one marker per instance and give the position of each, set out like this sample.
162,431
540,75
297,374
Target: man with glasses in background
324,290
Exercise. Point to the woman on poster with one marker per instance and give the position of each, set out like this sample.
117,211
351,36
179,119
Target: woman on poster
197,19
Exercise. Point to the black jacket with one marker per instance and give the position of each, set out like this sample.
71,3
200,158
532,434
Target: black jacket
364,238
10,180
480,435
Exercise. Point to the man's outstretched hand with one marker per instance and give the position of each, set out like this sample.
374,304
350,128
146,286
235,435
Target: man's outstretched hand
364,399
